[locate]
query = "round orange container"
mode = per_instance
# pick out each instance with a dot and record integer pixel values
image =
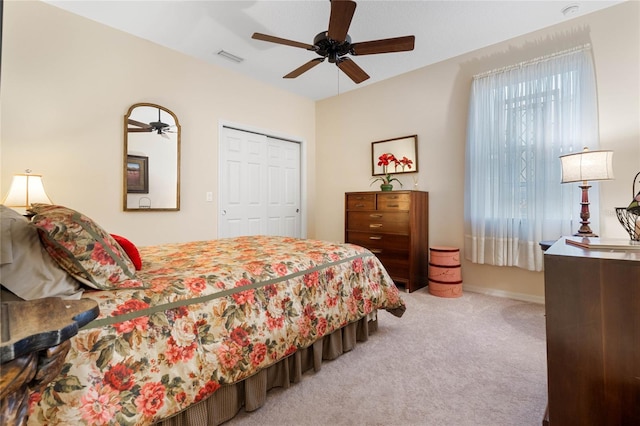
(445, 273)
(445, 290)
(445, 256)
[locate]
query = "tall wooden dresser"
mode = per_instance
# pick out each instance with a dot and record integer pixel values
(394, 225)
(592, 304)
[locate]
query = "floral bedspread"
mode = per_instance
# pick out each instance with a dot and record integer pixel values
(212, 312)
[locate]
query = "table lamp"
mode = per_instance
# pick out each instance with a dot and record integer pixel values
(583, 167)
(25, 190)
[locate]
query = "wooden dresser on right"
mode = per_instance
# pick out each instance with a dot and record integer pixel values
(592, 304)
(394, 225)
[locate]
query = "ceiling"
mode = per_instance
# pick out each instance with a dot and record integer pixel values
(443, 29)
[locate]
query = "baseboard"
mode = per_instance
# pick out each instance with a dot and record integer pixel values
(506, 294)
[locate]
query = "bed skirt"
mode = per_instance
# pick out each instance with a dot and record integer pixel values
(251, 393)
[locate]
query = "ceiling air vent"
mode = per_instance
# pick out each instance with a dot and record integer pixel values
(231, 57)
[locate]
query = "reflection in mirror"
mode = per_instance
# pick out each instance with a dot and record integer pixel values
(400, 148)
(151, 159)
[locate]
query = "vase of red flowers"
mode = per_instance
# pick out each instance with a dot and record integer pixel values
(386, 160)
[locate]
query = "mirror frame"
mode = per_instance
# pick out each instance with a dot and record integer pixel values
(406, 146)
(126, 157)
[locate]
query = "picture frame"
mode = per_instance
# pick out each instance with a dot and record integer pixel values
(137, 174)
(406, 146)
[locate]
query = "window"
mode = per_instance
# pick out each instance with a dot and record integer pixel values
(521, 120)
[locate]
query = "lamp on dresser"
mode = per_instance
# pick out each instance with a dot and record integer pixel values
(583, 167)
(26, 189)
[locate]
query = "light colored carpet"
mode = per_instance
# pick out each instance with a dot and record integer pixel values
(474, 360)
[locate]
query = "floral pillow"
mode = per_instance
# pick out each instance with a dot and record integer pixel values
(83, 248)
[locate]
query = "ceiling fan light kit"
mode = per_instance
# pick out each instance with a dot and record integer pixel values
(154, 126)
(335, 44)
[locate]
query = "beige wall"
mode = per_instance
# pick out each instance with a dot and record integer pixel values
(432, 103)
(67, 83)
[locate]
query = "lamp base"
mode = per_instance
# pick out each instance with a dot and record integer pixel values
(585, 230)
(585, 234)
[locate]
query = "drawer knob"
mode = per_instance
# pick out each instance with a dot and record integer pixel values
(375, 251)
(375, 225)
(394, 205)
(359, 205)
(375, 215)
(374, 237)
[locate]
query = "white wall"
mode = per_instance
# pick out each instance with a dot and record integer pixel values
(67, 83)
(432, 102)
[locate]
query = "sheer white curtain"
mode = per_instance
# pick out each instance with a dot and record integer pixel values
(521, 119)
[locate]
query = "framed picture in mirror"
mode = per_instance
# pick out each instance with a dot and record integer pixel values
(137, 174)
(404, 150)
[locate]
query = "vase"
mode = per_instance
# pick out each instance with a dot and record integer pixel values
(386, 187)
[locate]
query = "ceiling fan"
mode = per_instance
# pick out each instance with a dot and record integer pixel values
(335, 44)
(155, 126)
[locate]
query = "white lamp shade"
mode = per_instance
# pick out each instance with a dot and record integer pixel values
(587, 165)
(25, 190)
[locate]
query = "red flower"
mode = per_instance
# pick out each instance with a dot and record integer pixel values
(207, 390)
(195, 284)
(321, 327)
(240, 336)
(119, 377)
(279, 268)
(176, 353)
(385, 160)
(140, 323)
(100, 255)
(405, 162)
(244, 296)
(229, 355)
(258, 354)
(151, 398)
(311, 280)
(358, 266)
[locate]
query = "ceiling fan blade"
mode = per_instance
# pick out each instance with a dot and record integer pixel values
(273, 39)
(387, 45)
(340, 19)
(139, 124)
(352, 70)
(304, 68)
(137, 130)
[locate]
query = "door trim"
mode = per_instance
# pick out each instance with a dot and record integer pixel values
(277, 135)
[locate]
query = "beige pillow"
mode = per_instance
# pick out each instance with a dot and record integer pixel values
(31, 273)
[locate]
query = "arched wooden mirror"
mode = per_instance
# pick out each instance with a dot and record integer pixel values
(151, 159)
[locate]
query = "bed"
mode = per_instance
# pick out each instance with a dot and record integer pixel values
(203, 328)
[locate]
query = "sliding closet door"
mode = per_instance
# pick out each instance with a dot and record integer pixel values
(259, 185)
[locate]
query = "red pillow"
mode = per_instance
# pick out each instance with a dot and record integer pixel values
(130, 249)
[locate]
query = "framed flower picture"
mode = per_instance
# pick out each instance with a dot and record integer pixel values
(137, 174)
(403, 151)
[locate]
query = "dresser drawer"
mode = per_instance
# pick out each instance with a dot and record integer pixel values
(394, 201)
(384, 222)
(380, 243)
(396, 265)
(361, 201)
